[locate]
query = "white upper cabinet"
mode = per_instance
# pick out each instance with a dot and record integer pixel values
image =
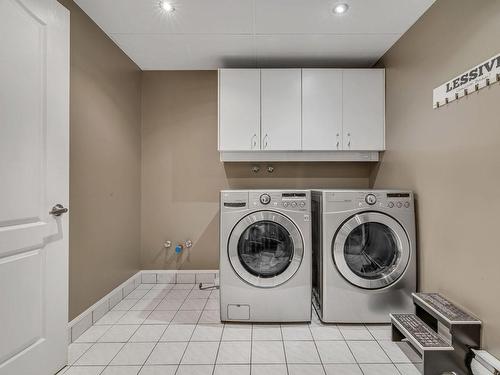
(321, 109)
(239, 109)
(301, 114)
(364, 109)
(281, 109)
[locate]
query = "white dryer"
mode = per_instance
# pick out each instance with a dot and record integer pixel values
(364, 249)
(265, 256)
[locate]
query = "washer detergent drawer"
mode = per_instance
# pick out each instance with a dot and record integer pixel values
(238, 312)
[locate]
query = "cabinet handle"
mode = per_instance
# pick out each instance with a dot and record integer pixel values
(254, 141)
(338, 141)
(266, 143)
(349, 140)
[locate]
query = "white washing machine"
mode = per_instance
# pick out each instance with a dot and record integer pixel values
(265, 256)
(364, 251)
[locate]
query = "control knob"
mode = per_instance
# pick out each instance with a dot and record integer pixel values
(371, 199)
(265, 199)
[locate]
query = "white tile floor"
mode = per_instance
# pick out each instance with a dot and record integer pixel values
(175, 329)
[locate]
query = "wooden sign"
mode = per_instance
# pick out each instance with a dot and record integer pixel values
(474, 79)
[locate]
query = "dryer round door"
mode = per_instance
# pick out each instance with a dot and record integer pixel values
(371, 250)
(265, 249)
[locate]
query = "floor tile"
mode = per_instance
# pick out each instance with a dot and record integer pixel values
(170, 304)
(207, 332)
(134, 353)
(110, 317)
(342, 369)
(158, 370)
(237, 332)
(159, 317)
(295, 332)
(148, 333)
(119, 333)
(195, 370)
(214, 295)
(93, 334)
(177, 294)
(84, 370)
(268, 352)
(200, 353)
(146, 305)
(355, 332)
(212, 304)
(125, 305)
(266, 332)
(99, 354)
(201, 294)
(76, 350)
(301, 352)
(121, 370)
(156, 294)
(168, 353)
(379, 369)
(234, 352)
(187, 317)
(232, 370)
(136, 294)
(134, 317)
(324, 332)
(178, 332)
(193, 304)
(183, 286)
(334, 352)
(368, 352)
(399, 352)
(305, 370)
(381, 332)
(210, 316)
(409, 369)
(269, 370)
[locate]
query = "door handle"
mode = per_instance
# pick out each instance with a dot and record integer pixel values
(58, 210)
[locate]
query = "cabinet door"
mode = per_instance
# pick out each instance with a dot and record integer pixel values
(281, 109)
(239, 109)
(364, 109)
(321, 109)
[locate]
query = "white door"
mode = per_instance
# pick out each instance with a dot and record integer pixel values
(239, 109)
(364, 109)
(321, 109)
(34, 143)
(281, 109)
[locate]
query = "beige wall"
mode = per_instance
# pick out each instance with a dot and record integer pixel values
(104, 164)
(449, 156)
(182, 174)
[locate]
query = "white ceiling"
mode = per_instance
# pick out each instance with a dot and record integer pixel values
(209, 34)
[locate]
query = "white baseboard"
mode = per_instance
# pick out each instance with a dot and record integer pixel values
(87, 318)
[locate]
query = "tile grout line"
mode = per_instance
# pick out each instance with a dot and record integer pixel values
(317, 350)
(284, 349)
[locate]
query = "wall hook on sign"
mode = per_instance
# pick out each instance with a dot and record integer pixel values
(474, 79)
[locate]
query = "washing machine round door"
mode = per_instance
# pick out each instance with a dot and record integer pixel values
(265, 249)
(371, 250)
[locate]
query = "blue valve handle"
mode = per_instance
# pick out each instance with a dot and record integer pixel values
(178, 249)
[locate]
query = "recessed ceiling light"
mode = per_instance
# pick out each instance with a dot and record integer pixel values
(340, 8)
(167, 7)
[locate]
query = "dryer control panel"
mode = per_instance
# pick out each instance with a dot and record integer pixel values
(370, 199)
(288, 200)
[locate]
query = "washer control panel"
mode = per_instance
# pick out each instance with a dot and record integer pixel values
(391, 200)
(288, 200)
